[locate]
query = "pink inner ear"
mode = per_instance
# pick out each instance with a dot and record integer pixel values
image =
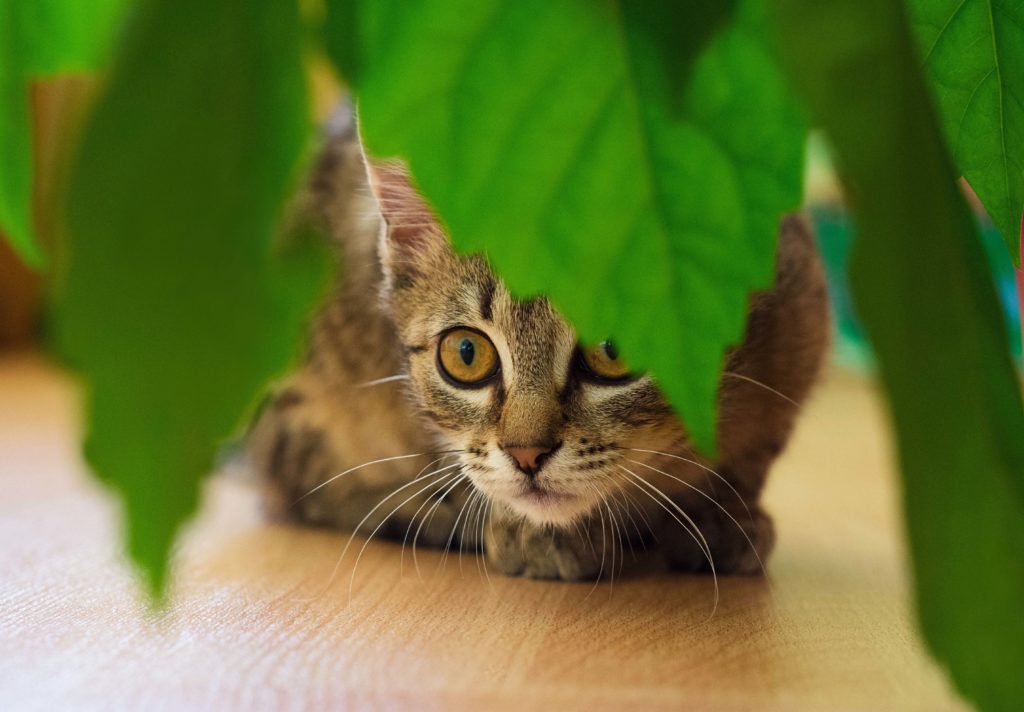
(410, 220)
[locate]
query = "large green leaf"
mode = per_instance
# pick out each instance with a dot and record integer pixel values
(974, 56)
(172, 306)
(556, 136)
(925, 294)
(40, 38)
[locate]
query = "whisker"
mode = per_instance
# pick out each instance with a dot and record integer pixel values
(623, 508)
(356, 529)
(474, 517)
(695, 533)
(455, 526)
(367, 464)
(408, 529)
(430, 514)
(386, 379)
(765, 386)
(604, 552)
(704, 494)
(703, 467)
(484, 519)
(584, 537)
(376, 529)
(614, 526)
(632, 501)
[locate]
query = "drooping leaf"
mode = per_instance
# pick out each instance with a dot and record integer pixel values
(552, 135)
(924, 292)
(171, 306)
(974, 57)
(40, 38)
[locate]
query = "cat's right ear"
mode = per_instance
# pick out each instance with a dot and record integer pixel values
(412, 241)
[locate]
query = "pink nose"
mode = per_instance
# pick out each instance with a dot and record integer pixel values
(531, 458)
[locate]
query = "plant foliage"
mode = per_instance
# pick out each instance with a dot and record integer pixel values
(171, 304)
(631, 160)
(974, 56)
(38, 39)
(923, 289)
(549, 133)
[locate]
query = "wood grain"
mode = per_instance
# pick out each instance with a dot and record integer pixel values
(255, 620)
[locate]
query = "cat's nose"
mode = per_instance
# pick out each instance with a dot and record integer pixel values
(529, 459)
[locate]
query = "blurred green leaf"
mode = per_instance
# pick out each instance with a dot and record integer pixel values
(547, 133)
(172, 306)
(924, 291)
(40, 38)
(974, 56)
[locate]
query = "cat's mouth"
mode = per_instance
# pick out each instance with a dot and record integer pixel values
(535, 494)
(542, 504)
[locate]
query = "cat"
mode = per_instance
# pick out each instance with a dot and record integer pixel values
(433, 406)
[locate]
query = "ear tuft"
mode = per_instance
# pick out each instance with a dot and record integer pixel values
(409, 219)
(413, 242)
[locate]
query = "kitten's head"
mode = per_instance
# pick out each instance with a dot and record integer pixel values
(545, 423)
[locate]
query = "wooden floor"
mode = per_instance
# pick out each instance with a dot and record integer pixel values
(256, 621)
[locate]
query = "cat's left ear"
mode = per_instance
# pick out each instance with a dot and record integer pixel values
(413, 241)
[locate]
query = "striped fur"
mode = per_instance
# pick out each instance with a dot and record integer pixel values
(403, 287)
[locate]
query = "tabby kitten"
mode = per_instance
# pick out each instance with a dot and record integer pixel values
(435, 406)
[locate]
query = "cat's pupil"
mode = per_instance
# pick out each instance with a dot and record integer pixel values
(467, 351)
(610, 350)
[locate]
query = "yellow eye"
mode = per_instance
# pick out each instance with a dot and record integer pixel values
(604, 362)
(467, 357)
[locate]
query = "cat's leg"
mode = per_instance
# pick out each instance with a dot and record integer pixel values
(735, 535)
(763, 384)
(738, 541)
(587, 550)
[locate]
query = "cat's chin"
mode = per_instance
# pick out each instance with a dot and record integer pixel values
(546, 507)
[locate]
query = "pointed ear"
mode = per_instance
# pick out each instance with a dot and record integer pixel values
(412, 241)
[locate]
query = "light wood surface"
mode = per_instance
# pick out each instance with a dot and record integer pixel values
(256, 622)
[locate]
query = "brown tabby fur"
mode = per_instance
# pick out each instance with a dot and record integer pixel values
(404, 285)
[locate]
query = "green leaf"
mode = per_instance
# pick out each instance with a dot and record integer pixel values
(39, 38)
(923, 289)
(172, 306)
(547, 133)
(974, 57)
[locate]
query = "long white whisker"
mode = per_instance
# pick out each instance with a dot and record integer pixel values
(584, 537)
(401, 559)
(703, 467)
(614, 526)
(430, 514)
(367, 464)
(715, 502)
(701, 542)
(632, 501)
(604, 552)
(386, 379)
(451, 537)
(765, 386)
(376, 529)
(484, 520)
(695, 533)
(471, 521)
(624, 512)
(412, 520)
(337, 564)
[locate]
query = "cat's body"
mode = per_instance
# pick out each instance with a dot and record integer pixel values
(556, 464)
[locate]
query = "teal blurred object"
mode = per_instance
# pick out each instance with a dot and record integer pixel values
(835, 240)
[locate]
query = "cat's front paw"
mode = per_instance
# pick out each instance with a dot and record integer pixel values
(738, 540)
(516, 547)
